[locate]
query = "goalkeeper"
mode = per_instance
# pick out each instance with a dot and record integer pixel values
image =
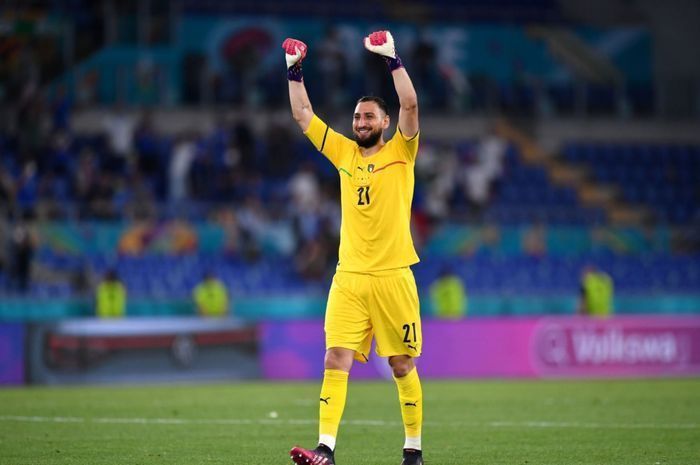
(373, 293)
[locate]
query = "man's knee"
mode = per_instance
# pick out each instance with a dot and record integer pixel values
(338, 358)
(401, 365)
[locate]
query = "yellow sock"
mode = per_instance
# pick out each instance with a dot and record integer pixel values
(411, 398)
(332, 403)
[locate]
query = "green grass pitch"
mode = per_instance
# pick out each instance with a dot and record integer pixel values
(636, 422)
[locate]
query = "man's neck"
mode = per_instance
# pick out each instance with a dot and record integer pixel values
(369, 151)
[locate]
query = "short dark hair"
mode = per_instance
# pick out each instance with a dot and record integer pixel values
(378, 100)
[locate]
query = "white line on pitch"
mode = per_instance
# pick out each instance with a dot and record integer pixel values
(566, 424)
(378, 423)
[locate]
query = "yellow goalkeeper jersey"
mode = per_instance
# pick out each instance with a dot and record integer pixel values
(375, 194)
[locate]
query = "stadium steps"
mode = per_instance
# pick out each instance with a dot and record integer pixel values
(592, 194)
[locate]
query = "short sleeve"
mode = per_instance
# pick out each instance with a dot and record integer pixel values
(409, 146)
(327, 141)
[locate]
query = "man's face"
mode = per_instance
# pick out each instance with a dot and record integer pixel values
(368, 124)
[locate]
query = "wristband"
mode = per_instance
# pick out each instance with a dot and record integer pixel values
(294, 73)
(393, 63)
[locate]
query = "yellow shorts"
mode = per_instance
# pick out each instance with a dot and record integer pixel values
(385, 304)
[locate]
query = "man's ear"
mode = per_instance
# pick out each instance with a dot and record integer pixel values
(386, 122)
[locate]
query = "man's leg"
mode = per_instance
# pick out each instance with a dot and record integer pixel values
(395, 314)
(334, 391)
(410, 397)
(348, 336)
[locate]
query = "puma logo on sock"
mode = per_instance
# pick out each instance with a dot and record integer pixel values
(325, 400)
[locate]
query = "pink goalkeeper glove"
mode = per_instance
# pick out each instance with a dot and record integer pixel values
(382, 43)
(294, 53)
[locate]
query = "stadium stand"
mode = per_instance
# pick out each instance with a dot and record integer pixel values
(525, 197)
(660, 176)
(172, 204)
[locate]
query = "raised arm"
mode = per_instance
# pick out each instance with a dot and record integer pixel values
(408, 100)
(295, 51)
(382, 43)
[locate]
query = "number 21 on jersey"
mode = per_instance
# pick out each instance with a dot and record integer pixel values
(363, 195)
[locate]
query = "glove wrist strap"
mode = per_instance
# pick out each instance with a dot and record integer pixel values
(393, 63)
(294, 73)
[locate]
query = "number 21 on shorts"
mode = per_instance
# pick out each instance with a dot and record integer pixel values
(409, 333)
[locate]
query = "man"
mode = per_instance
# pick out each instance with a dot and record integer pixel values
(448, 296)
(22, 248)
(211, 297)
(597, 292)
(111, 296)
(373, 291)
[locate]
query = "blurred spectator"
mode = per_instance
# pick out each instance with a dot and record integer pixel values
(81, 278)
(597, 293)
(316, 255)
(316, 222)
(448, 295)
(244, 140)
(211, 297)
(228, 221)
(280, 154)
(425, 71)
(311, 259)
(7, 191)
(486, 168)
(332, 64)
(27, 192)
(110, 296)
(134, 197)
(179, 169)
(149, 150)
(203, 173)
(304, 189)
(23, 243)
(119, 128)
(61, 108)
(60, 157)
(438, 168)
(254, 222)
(329, 208)
(243, 52)
(84, 181)
(458, 86)
(217, 141)
(100, 197)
